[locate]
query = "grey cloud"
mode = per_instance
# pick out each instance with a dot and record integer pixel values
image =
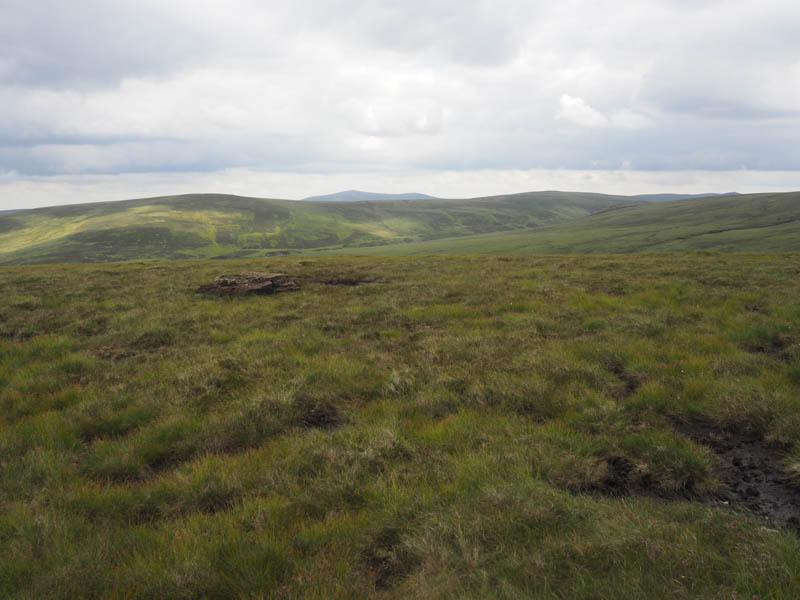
(156, 156)
(90, 43)
(477, 32)
(118, 86)
(722, 87)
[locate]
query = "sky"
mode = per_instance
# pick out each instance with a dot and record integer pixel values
(114, 99)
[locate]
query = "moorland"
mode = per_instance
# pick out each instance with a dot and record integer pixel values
(500, 410)
(516, 426)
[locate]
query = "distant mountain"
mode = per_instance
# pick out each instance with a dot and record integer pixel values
(359, 196)
(671, 197)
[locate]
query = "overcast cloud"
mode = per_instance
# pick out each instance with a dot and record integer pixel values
(107, 99)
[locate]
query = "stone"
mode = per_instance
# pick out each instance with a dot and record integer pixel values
(246, 284)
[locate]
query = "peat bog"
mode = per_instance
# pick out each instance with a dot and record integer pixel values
(752, 470)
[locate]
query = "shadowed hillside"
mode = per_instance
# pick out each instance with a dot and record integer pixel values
(749, 223)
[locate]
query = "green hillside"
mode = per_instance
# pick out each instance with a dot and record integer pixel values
(219, 226)
(510, 427)
(747, 223)
(212, 225)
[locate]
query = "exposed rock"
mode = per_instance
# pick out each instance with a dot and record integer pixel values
(249, 283)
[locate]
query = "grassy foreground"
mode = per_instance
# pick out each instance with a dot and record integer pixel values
(448, 430)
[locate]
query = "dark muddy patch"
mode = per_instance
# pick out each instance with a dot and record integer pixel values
(631, 381)
(778, 346)
(214, 501)
(751, 469)
(320, 413)
(112, 353)
(351, 281)
(622, 478)
(388, 558)
(714, 282)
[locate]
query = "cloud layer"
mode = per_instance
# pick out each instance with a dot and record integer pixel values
(121, 86)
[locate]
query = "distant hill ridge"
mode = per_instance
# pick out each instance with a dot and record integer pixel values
(670, 197)
(225, 226)
(359, 196)
(723, 223)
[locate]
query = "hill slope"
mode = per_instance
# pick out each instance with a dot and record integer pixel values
(750, 223)
(215, 225)
(670, 197)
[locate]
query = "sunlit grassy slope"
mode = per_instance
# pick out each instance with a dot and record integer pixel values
(212, 225)
(753, 222)
(451, 429)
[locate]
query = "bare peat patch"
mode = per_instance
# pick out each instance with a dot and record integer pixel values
(317, 412)
(631, 381)
(777, 346)
(113, 353)
(388, 558)
(751, 469)
(346, 280)
(622, 478)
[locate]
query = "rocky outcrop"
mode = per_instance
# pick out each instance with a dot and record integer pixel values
(246, 284)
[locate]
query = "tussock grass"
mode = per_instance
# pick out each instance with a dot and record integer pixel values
(458, 427)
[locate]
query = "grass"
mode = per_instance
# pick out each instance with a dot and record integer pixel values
(450, 430)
